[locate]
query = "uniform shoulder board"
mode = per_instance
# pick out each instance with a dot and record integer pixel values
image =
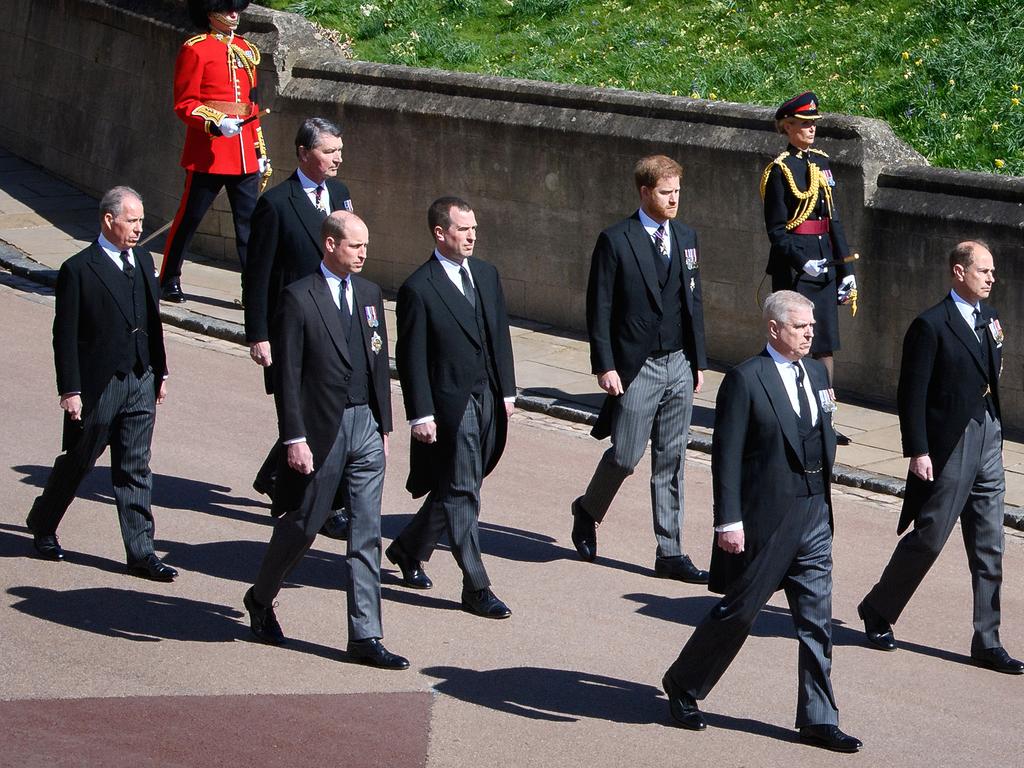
(817, 152)
(196, 39)
(768, 170)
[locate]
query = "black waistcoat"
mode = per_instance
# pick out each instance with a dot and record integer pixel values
(670, 280)
(133, 294)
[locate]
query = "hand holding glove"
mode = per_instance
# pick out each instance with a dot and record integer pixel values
(816, 267)
(229, 126)
(847, 287)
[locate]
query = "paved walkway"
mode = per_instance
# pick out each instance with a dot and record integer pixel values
(43, 220)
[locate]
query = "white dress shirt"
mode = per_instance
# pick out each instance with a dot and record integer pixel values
(787, 372)
(651, 226)
(309, 187)
(453, 270)
(336, 285)
(115, 255)
(966, 310)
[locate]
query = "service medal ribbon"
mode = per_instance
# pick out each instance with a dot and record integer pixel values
(371, 316)
(827, 173)
(691, 258)
(347, 205)
(997, 331)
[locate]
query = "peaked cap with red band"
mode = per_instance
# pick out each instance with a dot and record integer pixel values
(804, 106)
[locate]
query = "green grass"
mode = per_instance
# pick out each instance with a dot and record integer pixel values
(948, 75)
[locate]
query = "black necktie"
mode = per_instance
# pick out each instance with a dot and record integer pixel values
(467, 286)
(126, 266)
(979, 328)
(804, 417)
(346, 313)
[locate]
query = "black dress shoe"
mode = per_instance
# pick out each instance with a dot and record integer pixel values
(683, 707)
(842, 439)
(262, 621)
(680, 568)
(336, 526)
(829, 737)
(998, 659)
(413, 574)
(483, 602)
(172, 292)
(584, 532)
(877, 630)
(372, 651)
(152, 567)
(46, 546)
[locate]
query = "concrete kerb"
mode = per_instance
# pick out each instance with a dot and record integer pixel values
(20, 264)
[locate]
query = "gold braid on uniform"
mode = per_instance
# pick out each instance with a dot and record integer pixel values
(808, 200)
(238, 56)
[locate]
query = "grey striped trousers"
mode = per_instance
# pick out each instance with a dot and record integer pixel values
(123, 418)
(656, 406)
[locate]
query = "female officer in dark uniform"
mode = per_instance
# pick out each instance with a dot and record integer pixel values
(803, 226)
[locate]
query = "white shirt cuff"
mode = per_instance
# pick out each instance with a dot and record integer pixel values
(729, 527)
(294, 440)
(421, 420)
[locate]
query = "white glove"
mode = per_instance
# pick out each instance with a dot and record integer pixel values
(264, 165)
(848, 286)
(229, 126)
(816, 267)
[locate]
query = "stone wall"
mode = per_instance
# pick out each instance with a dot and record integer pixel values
(87, 91)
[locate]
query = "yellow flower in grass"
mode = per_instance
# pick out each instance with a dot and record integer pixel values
(998, 163)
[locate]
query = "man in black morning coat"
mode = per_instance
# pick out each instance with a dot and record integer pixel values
(771, 464)
(454, 358)
(948, 401)
(284, 245)
(108, 348)
(332, 389)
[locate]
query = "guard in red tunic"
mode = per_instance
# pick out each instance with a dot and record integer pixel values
(215, 96)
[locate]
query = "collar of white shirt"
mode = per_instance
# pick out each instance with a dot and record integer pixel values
(115, 253)
(451, 268)
(651, 226)
(788, 374)
(309, 187)
(335, 283)
(966, 310)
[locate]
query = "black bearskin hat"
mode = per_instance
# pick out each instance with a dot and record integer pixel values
(200, 10)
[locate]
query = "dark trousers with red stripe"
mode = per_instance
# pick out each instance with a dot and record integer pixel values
(201, 189)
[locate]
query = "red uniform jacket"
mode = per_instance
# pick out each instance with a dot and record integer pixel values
(214, 77)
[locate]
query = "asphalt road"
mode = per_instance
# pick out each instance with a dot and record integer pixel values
(99, 668)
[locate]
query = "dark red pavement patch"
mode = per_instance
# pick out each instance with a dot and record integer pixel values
(362, 730)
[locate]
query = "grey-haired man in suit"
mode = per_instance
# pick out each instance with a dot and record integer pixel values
(771, 465)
